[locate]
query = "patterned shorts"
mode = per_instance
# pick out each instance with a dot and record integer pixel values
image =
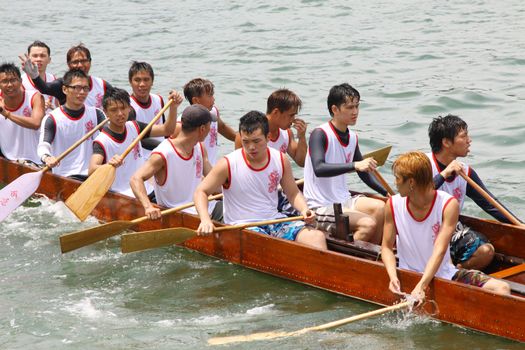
(284, 230)
(465, 241)
(472, 277)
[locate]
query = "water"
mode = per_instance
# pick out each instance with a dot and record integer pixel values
(410, 60)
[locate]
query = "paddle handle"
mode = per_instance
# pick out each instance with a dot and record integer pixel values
(491, 200)
(384, 183)
(258, 223)
(358, 317)
(146, 129)
(76, 144)
(175, 209)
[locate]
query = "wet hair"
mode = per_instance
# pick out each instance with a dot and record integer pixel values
(38, 43)
(198, 87)
(414, 165)
(339, 94)
(195, 116)
(78, 48)
(10, 68)
(252, 121)
(115, 95)
(140, 67)
(74, 73)
(283, 100)
(447, 127)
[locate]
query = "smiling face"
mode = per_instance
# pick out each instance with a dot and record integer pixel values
(254, 145)
(40, 57)
(80, 61)
(10, 84)
(141, 84)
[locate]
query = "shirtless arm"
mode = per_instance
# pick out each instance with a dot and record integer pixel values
(298, 149)
(153, 166)
(168, 127)
(387, 249)
(37, 114)
(448, 225)
(225, 130)
(238, 142)
(293, 194)
(216, 177)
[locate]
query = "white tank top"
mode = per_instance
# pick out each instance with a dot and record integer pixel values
(457, 187)
(95, 95)
(132, 162)
(146, 114)
(325, 191)
(282, 141)
(211, 142)
(17, 142)
(251, 194)
(182, 175)
(68, 131)
(29, 85)
(415, 239)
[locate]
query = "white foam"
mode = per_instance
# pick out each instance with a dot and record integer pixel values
(260, 310)
(85, 308)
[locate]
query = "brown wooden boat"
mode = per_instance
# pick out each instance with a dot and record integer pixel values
(356, 275)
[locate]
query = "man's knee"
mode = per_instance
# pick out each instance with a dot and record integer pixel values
(366, 229)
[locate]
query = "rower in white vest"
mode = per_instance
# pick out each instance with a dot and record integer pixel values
(177, 165)
(116, 137)
(22, 113)
(67, 124)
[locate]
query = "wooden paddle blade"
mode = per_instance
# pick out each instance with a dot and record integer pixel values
(87, 196)
(137, 241)
(380, 155)
(79, 239)
(15, 193)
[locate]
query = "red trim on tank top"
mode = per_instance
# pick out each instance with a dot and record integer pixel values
(71, 117)
(142, 105)
(229, 180)
(277, 138)
(104, 149)
(445, 206)
(19, 106)
(125, 133)
(252, 168)
(390, 202)
(180, 155)
(429, 210)
(337, 135)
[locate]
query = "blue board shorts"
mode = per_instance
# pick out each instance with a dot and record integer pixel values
(284, 230)
(465, 241)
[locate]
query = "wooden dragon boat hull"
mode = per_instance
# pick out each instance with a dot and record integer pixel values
(352, 276)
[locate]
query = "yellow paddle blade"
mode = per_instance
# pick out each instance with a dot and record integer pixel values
(380, 155)
(137, 241)
(87, 196)
(79, 239)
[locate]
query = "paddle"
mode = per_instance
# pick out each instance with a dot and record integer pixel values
(137, 241)
(274, 335)
(381, 156)
(491, 200)
(14, 194)
(87, 196)
(79, 239)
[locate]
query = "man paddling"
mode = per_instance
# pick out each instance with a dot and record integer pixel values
(21, 112)
(145, 105)
(120, 133)
(249, 178)
(68, 123)
(334, 151)
(420, 221)
(177, 165)
(78, 57)
(40, 55)
(449, 140)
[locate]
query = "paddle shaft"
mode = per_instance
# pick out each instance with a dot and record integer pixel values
(76, 144)
(258, 223)
(384, 183)
(491, 200)
(146, 129)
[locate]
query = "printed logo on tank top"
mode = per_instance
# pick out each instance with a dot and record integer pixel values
(89, 126)
(98, 99)
(457, 193)
(435, 231)
(198, 166)
(348, 158)
(26, 112)
(136, 151)
(273, 181)
(213, 136)
(284, 148)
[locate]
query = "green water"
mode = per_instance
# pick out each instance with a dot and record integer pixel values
(410, 60)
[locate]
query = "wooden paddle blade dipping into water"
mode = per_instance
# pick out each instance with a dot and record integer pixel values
(19, 190)
(87, 196)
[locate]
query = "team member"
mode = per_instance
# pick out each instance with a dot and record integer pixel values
(68, 123)
(249, 177)
(449, 140)
(420, 221)
(120, 133)
(145, 105)
(177, 164)
(22, 112)
(78, 57)
(333, 152)
(40, 54)
(201, 91)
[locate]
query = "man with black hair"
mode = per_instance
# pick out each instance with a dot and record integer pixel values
(449, 140)
(116, 137)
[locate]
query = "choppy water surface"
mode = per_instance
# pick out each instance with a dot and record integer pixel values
(410, 60)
